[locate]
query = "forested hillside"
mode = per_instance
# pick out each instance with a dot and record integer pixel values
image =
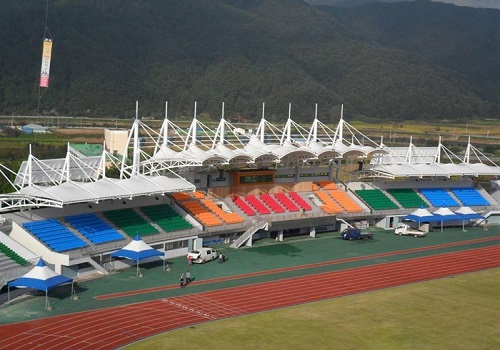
(494, 4)
(108, 54)
(451, 37)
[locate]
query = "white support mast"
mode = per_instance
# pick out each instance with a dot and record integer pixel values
(219, 132)
(137, 153)
(467, 152)
(191, 134)
(289, 124)
(286, 135)
(194, 127)
(222, 127)
(437, 157)
(29, 168)
(409, 152)
(164, 127)
(134, 133)
(313, 133)
(262, 124)
(339, 132)
(67, 160)
(102, 164)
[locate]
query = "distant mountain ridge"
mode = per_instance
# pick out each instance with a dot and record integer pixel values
(107, 55)
(492, 4)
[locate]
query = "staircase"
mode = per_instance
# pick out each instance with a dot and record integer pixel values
(259, 225)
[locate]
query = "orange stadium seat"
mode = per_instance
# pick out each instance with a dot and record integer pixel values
(228, 218)
(327, 185)
(181, 196)
(345, 201)
(330, 206)
(201, 213)
(198, 195)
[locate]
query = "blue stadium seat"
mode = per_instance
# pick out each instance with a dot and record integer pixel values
(469, 196)
(439, 197)
(94, 228)
(54, 235)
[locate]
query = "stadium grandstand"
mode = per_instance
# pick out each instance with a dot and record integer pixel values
(183, 188)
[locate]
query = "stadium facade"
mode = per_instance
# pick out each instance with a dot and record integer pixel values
(182, 188)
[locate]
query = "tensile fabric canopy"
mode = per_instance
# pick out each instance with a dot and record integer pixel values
(137, 250)
(41, 277)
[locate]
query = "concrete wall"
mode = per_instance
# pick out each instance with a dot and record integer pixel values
(20, 235)
(18, 248)
(116, 140)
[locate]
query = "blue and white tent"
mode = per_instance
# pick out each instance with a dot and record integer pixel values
(444, 215)
(466, 214)
(420, 215)
(137, 250)
(41, 277)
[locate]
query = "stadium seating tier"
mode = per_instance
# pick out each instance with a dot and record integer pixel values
(470, 196)
(376, 199)
(94, 228)
(166, 217)
(439, 197)
(12, 255)
(407, 197)
(54, 235)
(130, 222)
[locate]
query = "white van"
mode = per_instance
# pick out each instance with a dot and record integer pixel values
(202, 255)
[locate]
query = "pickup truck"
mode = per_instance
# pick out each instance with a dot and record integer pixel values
(406, 230)
(353, 233)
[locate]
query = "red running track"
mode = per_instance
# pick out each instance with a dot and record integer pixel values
(114, 327)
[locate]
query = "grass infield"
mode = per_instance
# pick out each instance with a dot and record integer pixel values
(460, 312)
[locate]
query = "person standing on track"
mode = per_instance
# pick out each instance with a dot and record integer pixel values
(182, 281)
(188, 277)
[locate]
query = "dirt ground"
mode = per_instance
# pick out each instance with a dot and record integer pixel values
(78, 131)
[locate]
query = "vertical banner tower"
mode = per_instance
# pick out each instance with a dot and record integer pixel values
(46, 57)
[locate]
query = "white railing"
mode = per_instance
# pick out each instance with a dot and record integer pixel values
(249, 232)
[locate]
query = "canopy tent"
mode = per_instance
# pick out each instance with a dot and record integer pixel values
(41, 277)
(445, 214)
(137, 250)
(466, 213)
(420, 215)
